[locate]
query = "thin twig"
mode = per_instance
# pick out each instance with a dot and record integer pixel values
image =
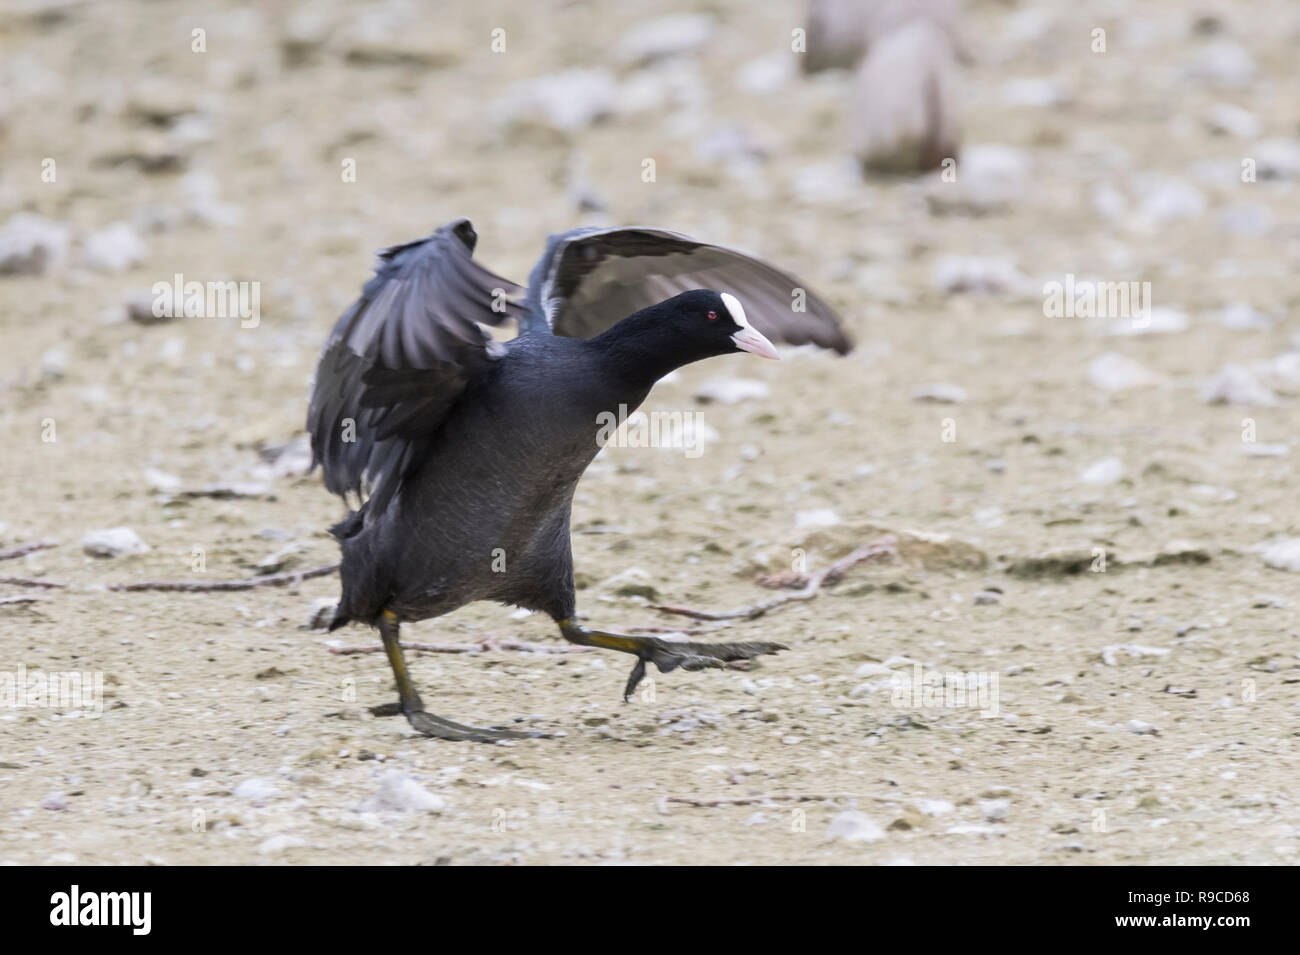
(202, 586)
(709, 803)
(23, 550)
(885, 546)
(482, 646)
(32, 582)
(19, 599)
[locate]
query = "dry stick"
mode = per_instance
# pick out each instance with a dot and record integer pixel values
(23, 550)
(32, 582)
(480, 647)
(831, 574)
(19, 599)
(200, 586)
(750, 800)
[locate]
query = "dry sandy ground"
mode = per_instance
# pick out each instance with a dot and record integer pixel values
(1180, 746)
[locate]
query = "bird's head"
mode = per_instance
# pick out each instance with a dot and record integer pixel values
(686, 328)
(709, 323)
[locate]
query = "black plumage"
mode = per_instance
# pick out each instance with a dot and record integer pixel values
(463, 452)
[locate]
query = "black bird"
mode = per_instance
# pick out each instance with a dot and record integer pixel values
(465, 451)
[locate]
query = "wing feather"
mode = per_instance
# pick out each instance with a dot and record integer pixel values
(590, 279)
(398, 360)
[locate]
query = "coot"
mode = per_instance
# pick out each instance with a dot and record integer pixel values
(462, 453)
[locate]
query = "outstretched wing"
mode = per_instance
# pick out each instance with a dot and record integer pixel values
(400, 357)
(589, 279)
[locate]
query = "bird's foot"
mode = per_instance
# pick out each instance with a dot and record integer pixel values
(665, 654)
(439, 728)
(669, 655)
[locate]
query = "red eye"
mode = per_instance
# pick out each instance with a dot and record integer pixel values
(713, 316)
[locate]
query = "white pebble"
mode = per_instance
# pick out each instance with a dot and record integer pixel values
(114, 249)
(256, 788)
(1237, 385)
(400, 793)
(113, 542)
(853, 826)
(1282, 554)
(730, 391)
(1115, 372)
(1105, 471)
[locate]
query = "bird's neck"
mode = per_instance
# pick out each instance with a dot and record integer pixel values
(637, 352)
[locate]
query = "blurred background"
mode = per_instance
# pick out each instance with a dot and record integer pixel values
(933, 169)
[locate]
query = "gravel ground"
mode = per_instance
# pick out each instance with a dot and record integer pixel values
(1095, 516)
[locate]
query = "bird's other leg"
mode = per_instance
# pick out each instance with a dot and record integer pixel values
(665, 654)
(411, 706)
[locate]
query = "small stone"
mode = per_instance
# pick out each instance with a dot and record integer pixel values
(1282, 554)
(1103, 472)
(203, 204)
(853, 826)
(161, 480)
(767, 74)
(1224, 119)
(282, 559)
(633, 582)
(1241, 317)
(54, 362)
(995, 810)
(140, 308)
(816, 517)
(942, 393)
(1110, 654)
(400, 793)
(957, 274)
(564, 102)
(1223, 63)
(1281, 373)
(1237, 385)
(990, 178)
(1034, 92)
(730, 391)
(872, 669)
(1245, 218)
(731, 143)
(665, 37)
(934, 807)
(1115, 372)
(114, 249)
(113, 542)
(277, 844)
(1277, 159)
(986, 597)
(1265, 450)
(1168, 199)
(1109, 202)
(1142, 728)
(55, 801)
(31, 245)
(256, 789)
(1159, 321)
